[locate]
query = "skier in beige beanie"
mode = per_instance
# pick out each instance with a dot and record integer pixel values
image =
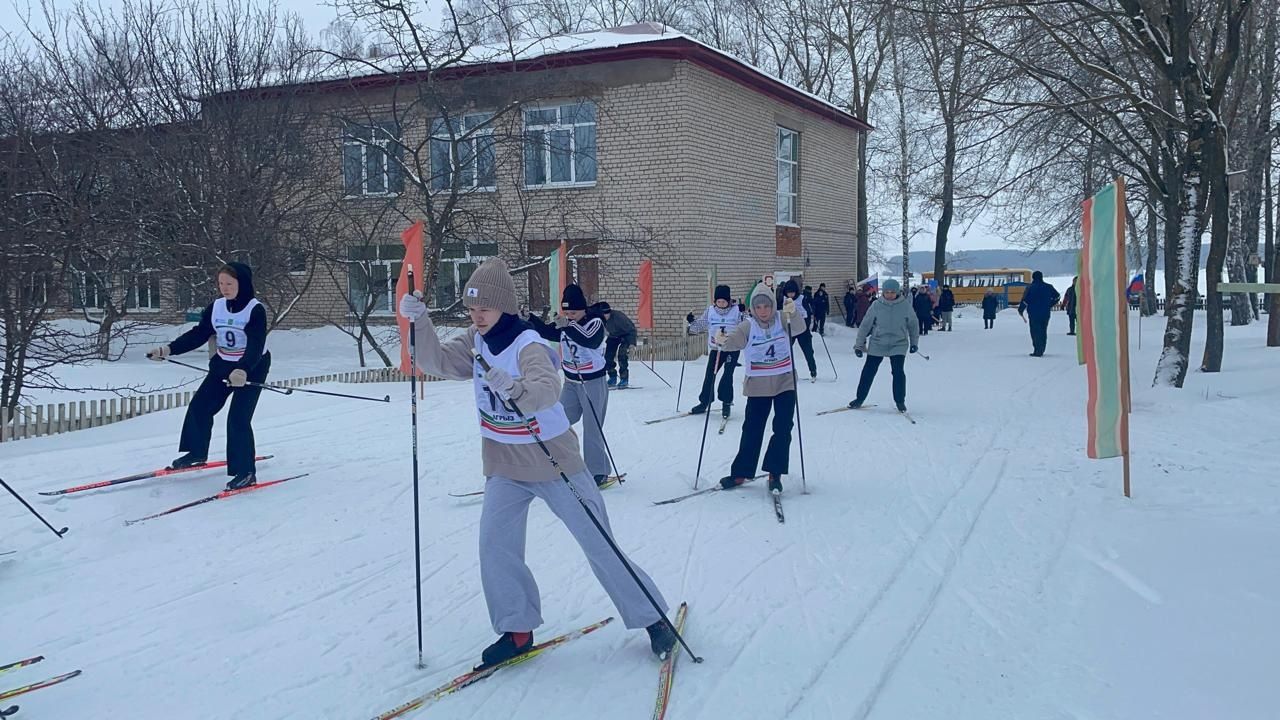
(523, 368)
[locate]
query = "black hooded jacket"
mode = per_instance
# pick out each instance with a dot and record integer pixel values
(255, 331)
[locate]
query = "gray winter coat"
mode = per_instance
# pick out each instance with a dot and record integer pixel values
(892, 325)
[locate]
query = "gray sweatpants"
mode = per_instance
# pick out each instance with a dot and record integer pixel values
(574, 397)
(509, 588)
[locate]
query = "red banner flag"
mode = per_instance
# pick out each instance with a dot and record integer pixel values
(644, 312)
(412, 239)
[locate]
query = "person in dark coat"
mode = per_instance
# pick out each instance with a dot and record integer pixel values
(617, 349)
(238, 323)
(946, 304)
(821, 308)
(989, 306)
(1036, 306)
(791, 290)
(923, 305)
(850, 307)
(1069, 304)
(866, 296)
(807, 294)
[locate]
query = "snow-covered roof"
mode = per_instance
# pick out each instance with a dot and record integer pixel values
(591, 47)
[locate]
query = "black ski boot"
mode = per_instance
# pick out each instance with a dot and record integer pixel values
(661, 639)
(902, 407)
(506, 647)
(242, 481)
(775, 483)
(189, 460)
(601, 480)
(855, 404)
(725, 409)
(699, 408)
(729, 482)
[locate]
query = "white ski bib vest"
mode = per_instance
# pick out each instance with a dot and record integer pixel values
(228, 327)
(497, 421)
(768, 351)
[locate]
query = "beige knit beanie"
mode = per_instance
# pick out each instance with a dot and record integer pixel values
(491, 286)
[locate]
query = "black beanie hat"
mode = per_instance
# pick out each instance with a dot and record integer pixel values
(572, 298)
(790, 286)
(722, 293)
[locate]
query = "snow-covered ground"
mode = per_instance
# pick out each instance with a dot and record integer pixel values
(973, 566)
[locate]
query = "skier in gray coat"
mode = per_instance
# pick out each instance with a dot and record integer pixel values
(891, 330)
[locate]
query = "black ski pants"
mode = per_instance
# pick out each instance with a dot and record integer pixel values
(820, 323)
(212, 394)
(926, 322)
(1071, 318)
(728, 361)
(872, 366)
(806, 346)
(1039, 332)
(778, 456)
(615, 356)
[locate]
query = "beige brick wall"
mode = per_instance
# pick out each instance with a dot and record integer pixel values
(686, 176)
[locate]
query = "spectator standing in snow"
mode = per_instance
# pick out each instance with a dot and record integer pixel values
(850, 307)
(821, 308)
(890, 330)
(923, 305)
(989, 306)
(866, 296)
(523, 370)
(769, 386)
(1069, 304)
(1037, 304)
(807, 294)
(238, 324)
(584, 396)
(946, 304)
(724, 316)
(617, 349)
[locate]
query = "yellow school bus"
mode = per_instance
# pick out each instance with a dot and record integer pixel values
(969, 286)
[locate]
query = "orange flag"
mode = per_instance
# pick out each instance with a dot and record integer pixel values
(644, 312)
(412, 239)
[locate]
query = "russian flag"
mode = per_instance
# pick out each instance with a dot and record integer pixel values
(872, 282)
(1137, 285)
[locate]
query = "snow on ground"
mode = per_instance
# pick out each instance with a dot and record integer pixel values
(975, 565)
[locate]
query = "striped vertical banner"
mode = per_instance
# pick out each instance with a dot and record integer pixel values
(1104, 323)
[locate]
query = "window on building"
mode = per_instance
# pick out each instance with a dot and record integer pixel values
(457, 262)
(371, 157)
(297, 260)
(35, 290)
(788, 176)
(88, 291)
(584, 271)
(372, 272)
(144, 291)
(560, 145)
(464, 146)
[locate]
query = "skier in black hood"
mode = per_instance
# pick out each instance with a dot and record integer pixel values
(791, 289)
(238, 322)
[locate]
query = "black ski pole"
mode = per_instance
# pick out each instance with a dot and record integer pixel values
(655, 372)
(187, 365)
(684, 354)
(804, 485)
(290, 391)
(591, 406)
(706, 422)
(417, 513)
(14, 493)
(594, 520)
(833, 362)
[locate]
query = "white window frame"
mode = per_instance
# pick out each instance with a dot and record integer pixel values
(151, 277)
(83, 289)
(39, 281)
(385, 142)
(547, 129)
(455, 264)
(389, 263)
(481, 124)
(793, 219)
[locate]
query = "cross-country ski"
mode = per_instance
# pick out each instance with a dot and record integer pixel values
(32, 687)
(162, 472)
(223, 495)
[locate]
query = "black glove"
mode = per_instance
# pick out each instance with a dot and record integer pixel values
(857, 352)
(689, 318)
(914, 348)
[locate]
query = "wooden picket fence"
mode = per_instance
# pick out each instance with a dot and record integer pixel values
(53, 419)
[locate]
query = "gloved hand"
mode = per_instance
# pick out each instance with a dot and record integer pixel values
(789, 308)
(914, 348)
(500, 381)
(689, 318)
(412, 308)
(561, 321)
(858, 352)
(159, 354)
(237, 378)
